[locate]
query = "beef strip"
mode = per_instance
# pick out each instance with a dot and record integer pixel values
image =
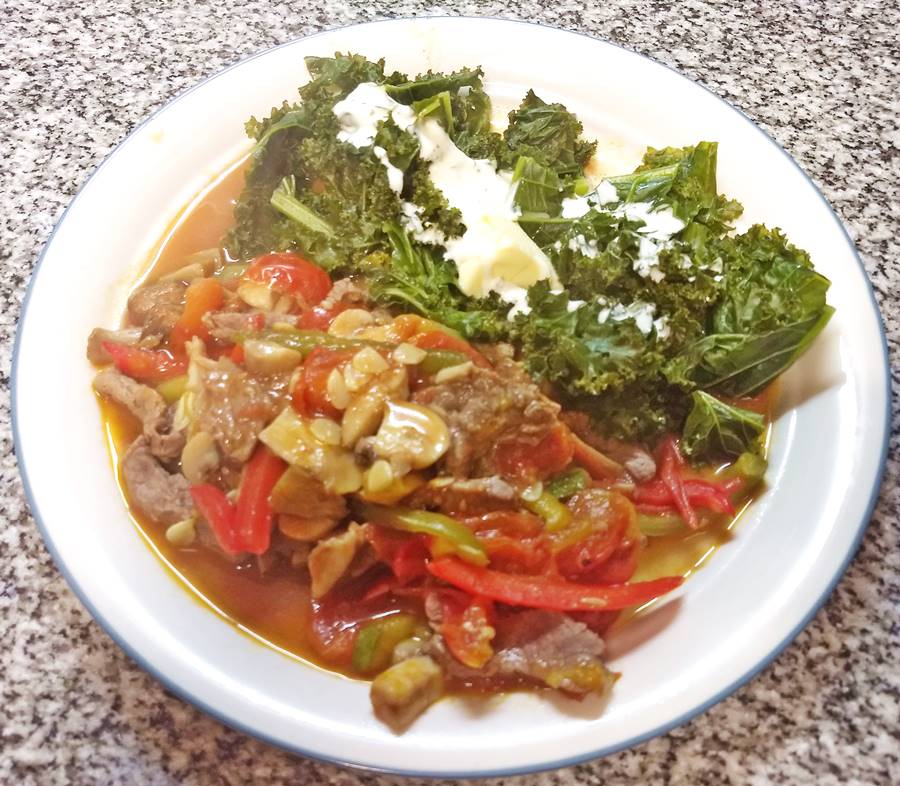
(345, 290)
(162, 495)
(234, 406)
(547, 647)
(464, 497)
(636, 460)
(95, 351)
(484, 408)
(155, 308)
(147, 406)
(228, 325)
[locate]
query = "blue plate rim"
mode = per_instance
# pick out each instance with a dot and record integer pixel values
(234, 723)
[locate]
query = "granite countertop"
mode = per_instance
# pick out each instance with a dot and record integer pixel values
(821, 77)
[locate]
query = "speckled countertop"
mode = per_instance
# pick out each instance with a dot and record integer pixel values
(75, 77)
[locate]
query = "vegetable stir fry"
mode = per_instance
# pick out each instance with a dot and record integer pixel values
(450, 383)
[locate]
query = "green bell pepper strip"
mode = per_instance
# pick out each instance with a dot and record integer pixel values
(231, 272)
(555, 515)
(375, 642)
(450, 534)
(567, 483)
(305, 341)
(660, 525)
(172, 389)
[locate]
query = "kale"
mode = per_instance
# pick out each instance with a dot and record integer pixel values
(714, 429)
(421, 280)
(652, 346)
(549, 134)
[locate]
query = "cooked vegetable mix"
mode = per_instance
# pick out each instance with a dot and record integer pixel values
(444, 389)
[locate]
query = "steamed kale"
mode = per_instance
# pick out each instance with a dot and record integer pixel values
(549, 134)
(714, 429)
(647, 335)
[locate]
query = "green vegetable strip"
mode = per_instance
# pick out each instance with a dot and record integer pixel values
(449, 531)
(305, 341)
(660, 526)
(556, 515)
(568, 483)
(172, 389)
(284, 201)
(375, 642)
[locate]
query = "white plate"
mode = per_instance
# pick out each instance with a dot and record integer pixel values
(726, 623)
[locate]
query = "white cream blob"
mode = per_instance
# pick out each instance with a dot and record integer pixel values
(494, 254)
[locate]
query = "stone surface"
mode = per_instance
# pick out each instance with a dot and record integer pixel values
(822, 77)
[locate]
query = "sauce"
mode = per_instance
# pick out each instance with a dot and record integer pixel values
(275, 608)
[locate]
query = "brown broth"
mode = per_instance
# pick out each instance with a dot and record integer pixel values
(274, 609)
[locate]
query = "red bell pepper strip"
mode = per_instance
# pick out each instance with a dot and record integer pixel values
(669, 473)
(253, 514)
(547, 592)
(700, 494)
(145, 365)
(214, 506)
(201, 296)
(291, 273)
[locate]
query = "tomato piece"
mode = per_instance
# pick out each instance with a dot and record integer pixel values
(145, 365)
(253, 514)
(292, 274)
(547, 592)
(318, 318)
(437, 339)
(236, 354)
(466, 628)
(201, 296)
(527, 461)
(405, 554)
(310, 393)
(514, 541)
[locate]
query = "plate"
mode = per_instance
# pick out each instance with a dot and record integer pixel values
(720, 629)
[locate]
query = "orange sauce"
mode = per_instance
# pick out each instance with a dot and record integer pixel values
(274, 608)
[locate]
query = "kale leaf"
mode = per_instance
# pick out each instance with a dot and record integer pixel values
(548, 133)
(714, 429)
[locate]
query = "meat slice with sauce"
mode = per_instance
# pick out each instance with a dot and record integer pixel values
(546, 647)
(484, 408)
(147, 406)
(155, 308)
(162, 495)
(233, 405)
(470, 497)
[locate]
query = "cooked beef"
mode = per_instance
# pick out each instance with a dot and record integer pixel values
(162, 495)
(234, 406)
(147, 406)
(345, 290)
(541, 646)
(95, 351)
(484, 408)
(228, 325)
(155, 308)
(636, 460)
(464, 497)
